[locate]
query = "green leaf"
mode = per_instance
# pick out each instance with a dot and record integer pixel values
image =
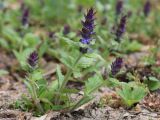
(153, 83)
(43, 48)
(53, 86)
(4, 43)
(100, 6)
(89, 60)
(71, 90)
(29, 87)
(85, 62)
(95, 56)
(133, 46)
(92, 84)
(66, 62)
(153, 79)
(49, 90)
(31, 40)
(12, 36)
(132, 93)
(69, 42)
(45, 100)
(60, 76)
(82, 101)
(156, 69)
(37, 75)
(22, 57)
(77, 73)
(58, 107)
(86, 2)
(112, 82)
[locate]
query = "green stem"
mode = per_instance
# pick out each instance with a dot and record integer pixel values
(77, 104)
(38, 105)
(24, 28)
(35, 98)
(66, 79)
(84, 97)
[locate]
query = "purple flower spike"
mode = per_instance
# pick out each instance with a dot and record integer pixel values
(121, 28)
(116, 66)
(147, 8)
(33, 59)
(119, 7)
(25, 16)
(88, 28)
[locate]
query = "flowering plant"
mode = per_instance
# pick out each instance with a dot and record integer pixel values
(56, 95)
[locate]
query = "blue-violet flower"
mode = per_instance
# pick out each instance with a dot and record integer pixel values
(119, 7)
(116, 66)
(121, 28)
(25, 16)
(33, 59)
(88, 29)
(147, 8)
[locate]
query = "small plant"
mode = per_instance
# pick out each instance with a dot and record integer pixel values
(56, 95)
(33, 79)
(132, 93)
(39, 34)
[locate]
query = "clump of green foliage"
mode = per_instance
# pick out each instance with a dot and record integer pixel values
(56, 95)
(82, 62)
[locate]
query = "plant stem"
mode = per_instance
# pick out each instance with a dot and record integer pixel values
(84, 97)
(66, 79)
(38, 105)
(24, 28)
(77, 104)
(34, 97)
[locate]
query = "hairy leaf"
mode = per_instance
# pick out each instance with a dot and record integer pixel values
(92, 84)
